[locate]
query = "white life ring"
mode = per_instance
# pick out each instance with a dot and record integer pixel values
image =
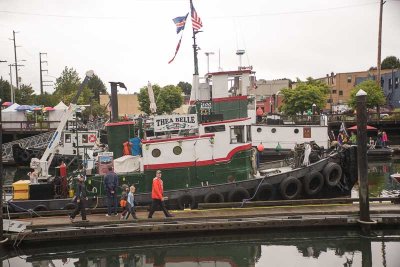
(92, 138)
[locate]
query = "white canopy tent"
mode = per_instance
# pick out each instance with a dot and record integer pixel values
(10, 114)
(57, 113)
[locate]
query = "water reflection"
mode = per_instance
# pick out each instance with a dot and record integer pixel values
(322, 248)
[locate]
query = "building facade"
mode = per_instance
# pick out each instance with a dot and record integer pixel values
(390, 83)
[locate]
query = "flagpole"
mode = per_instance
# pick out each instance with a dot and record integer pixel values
(195, 49)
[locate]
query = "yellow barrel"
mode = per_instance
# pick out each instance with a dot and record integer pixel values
(71, 192)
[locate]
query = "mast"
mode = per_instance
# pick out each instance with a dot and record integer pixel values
(195, 49)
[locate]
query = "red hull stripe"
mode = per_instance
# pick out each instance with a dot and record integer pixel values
(177, 138)
(226, 121)
(224, 99)
(198, 163)
(119, 123)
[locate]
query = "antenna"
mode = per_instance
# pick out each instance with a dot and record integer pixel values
(240, 53)
(219, 60)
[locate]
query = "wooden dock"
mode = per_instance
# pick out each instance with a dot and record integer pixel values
(201, 221)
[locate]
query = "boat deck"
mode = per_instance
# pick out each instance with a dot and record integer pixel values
(189, 222)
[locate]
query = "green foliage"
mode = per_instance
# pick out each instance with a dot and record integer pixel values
(302, 98)
(5, 93)
(390, 62)
(97, 87)
(186, 87)
(24, 95)
(167, 99)
(375, 96)
(46, 100)
(67, 85)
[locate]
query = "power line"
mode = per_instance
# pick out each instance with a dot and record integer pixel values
(237, 16)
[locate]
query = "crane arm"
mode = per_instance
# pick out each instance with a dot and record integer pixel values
(48, 155)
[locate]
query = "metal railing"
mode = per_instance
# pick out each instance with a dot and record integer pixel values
(37, 141)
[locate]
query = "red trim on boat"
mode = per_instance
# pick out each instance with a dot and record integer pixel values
(226, 121)
(177, 138)
(198, 163)
(119, 123)
(230, 98)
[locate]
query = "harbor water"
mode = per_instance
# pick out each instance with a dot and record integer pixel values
(272, 247)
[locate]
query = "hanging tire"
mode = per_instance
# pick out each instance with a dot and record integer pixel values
(290, 188)
(214, 197)
(264, 192)
(69, 206)
(238, 194)
(332, 173)
(40, 208)
(313, 183)
(186, 201)
(25, 156)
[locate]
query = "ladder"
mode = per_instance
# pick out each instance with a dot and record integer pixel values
(37, 141)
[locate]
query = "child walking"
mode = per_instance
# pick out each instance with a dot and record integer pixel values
(123, 202)
(131, 203)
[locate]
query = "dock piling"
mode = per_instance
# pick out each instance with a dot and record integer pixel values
(362, 161)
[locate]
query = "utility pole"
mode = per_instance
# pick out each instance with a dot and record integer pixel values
(41, 71)
(11, 85)
(378, 66)
(15, 57)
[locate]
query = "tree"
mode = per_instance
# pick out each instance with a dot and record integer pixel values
(302, 98)
(24, 95)
(46, 100)
(167, 98)
(390, 62)
(97, 87)
(67, 85)
(375, 96)
(5, 93)
(186, 87)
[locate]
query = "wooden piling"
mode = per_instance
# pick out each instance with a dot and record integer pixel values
(362, 161)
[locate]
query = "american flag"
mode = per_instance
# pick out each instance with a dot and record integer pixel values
(180, 23)
(196, 20)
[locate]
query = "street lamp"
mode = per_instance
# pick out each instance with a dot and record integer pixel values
(313, 108)
(208, 60)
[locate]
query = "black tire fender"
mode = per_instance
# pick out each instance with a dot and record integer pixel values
(264, 192)
(69, 206)
(290, 188)
(313, 183)
(24, 156)
(214, 197)
(186, 201)
(238, 194)
(40, 207)
(332, 173)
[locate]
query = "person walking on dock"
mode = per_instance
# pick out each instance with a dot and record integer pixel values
(157, 196)
(80, 200)
(111, 185)
(131, 203)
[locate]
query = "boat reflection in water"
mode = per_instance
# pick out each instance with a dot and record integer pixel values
(323, 248)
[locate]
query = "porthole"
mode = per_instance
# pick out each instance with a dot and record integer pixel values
(177, 150)
(156, 152)
(273, 130)
(296, 131)
(259, 130)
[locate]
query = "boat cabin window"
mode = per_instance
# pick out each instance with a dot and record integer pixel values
(67, 138)
(248, 129)
(214, 128)
(84, 138)
(156, 153)
(237, 134)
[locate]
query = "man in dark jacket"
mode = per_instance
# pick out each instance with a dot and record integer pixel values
(111, 185)
(80, 200)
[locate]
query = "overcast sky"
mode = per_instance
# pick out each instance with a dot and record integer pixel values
(131, 41)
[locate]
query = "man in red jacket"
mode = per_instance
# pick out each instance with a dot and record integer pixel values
(157, 197)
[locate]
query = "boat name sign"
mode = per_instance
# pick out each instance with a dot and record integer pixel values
(175, 122)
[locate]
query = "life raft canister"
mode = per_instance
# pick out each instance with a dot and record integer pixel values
(92, 138)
